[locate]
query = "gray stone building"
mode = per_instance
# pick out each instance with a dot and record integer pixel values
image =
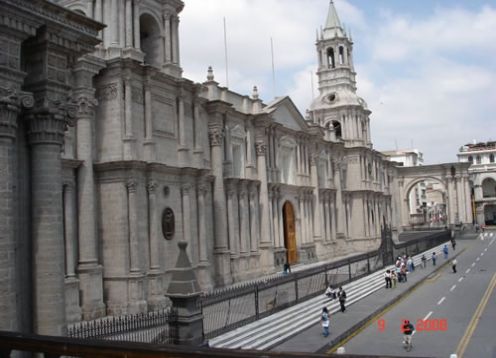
(109, 157)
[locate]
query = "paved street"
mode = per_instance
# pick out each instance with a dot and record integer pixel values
(457, 298)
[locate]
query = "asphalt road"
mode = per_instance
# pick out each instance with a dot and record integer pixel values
(465, 301)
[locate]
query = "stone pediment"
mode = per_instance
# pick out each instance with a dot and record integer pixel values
(282, 110)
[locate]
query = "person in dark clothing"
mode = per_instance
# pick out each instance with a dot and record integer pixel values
(342, 298)
(453, 244)
(453, 265)
(407, 328)
(286, 269)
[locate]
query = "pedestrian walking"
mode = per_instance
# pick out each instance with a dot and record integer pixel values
(387, 277)
(407, 328)
(342, 298)
(325, 322)
(453, 243)
(403, 273)
(453, 265)
(434, 258)
(445, 251)
(286, 269)
(424, 261)
(394, 278)
(409, 264)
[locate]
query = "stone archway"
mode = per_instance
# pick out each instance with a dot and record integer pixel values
(490, 214)
(289, 233)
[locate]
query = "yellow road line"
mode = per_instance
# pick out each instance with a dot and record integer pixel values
(462, 346)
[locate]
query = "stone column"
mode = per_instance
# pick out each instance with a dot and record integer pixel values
(46, 135)
(175, 40)
(317, 222)
(129, 23)
(202, 227)
(327, 217)
(275, 213)
(186, 204)
(333, 216)
(261, 150)
(149, 145)
(136, 21)
(89, 270)
(134, 246)
(108, 19)
(244, 219)
(69, 229)
(198, 145)
(129, 139)
(233, 234)
(303, 222)
(223, 270)
(183, 149)
(254, 215)
(153, 231)
(9, 110)
(468, 199)
(122, 23)
(167, 38)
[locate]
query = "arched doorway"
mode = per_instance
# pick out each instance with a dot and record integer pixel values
(490, 214)
(150, 40)
(289, 233)
(427, 203)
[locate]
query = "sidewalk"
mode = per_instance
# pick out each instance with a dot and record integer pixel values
(357, 314)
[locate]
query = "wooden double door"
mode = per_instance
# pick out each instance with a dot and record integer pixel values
(289, 233)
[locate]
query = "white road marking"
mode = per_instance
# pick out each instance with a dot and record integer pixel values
(473, 264)
(482, 254)
(452, 288)
(477, 259)
(468, 270)
(428, 315)
(460, 279)
(441, 300)
(485, 249)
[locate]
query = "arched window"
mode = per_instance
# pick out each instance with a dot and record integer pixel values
(348, 56)
(478, 159)
(489, 188)
(341, 55)
(491, 158)
(150, 40)
(337, 129)
(330, 58)
(471, 159)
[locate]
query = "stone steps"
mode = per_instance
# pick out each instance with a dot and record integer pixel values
(272, 330)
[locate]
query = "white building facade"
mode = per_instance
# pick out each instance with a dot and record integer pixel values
(481, 157)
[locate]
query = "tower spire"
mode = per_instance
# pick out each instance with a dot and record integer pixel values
(333, 24)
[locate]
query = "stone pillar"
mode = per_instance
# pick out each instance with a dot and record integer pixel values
(254, 222)
(244, 219)
(156, 298)
(122, 23)
(69, 229)
(134, 246)
(175, 39)
(46, 135)
(107, 32)
(222, 260)
(149, 145)
(136, 21)
(129, 139)
(261, 150)
(98, 15)
(129, 23)
(186, 204)
(197, 125)
(468, 199)
(233, 233)
(333, 216)
(9, 110)
(183, 149)
(328, 215)
(275, 213)
(89, 270)
(317, 221)
(202, 227)
(167, 38)
(303, 222)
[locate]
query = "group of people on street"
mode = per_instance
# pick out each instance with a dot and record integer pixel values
(333, 294)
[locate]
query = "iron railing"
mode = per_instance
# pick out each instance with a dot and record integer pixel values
(152, 327)
(229, 308)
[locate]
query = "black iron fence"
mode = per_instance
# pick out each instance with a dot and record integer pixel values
(226, 309)
(152, 327)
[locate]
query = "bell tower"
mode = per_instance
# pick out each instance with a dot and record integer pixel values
(145, 30)
(338, 109)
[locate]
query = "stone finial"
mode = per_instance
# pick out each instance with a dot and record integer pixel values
(254, 93)
(183, 279)
(210, 74)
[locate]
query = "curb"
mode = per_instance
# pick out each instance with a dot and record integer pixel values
(336, 342)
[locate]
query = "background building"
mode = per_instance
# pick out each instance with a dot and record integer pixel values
(481, 157)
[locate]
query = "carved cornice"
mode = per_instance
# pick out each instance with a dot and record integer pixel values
(11, 102)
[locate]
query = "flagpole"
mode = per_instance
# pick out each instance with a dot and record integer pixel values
(225, 53)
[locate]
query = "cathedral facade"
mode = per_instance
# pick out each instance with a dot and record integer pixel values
(148, 158)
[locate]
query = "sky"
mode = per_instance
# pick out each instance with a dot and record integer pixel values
(426, 68)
